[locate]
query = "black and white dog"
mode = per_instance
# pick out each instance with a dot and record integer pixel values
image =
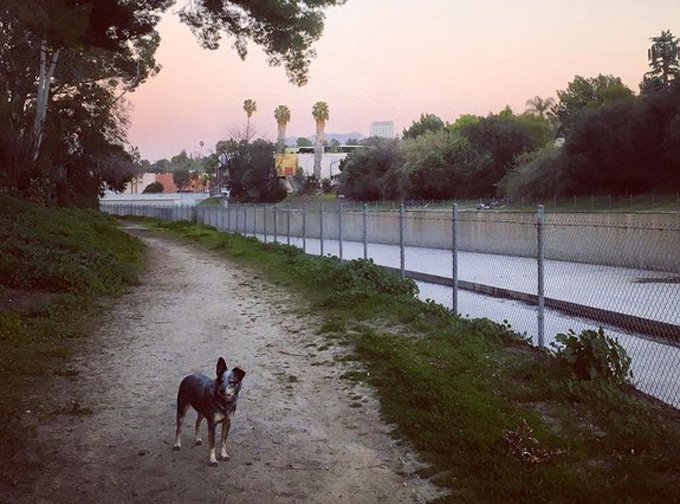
(214, 400)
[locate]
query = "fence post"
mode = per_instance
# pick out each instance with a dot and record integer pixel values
(229, 216)
(304, 228)
(288, 225)
(401, 240)
(276, 223)
(265, 223)
(454, 258)
(340, 230)
(321, 229)
(541, 293)
(365, 231)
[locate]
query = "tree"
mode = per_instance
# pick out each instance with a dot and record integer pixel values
(282, 116)
(427, 122)
(304, 142)
(363, 175)
(539, 106)
(284, 30)
(250, 107)
(154, 187)
(320, 113)
(441, 165)
(55, 54)
(77, 58)
(664, 60)
(587, 93)
(181, 178)
(504, 136)
(252, 172)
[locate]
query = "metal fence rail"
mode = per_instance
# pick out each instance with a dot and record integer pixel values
(544, 273)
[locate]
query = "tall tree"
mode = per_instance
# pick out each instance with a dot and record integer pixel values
(284, 30)
(664, 61)
(539, 106)
(250, 107)
(282, 116)
(587, 93)
(427, 122)
(320, 113)
(55, 54)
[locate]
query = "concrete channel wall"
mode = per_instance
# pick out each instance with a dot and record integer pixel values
(637, 240)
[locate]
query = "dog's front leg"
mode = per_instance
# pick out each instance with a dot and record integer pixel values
(211, 442)
(226, 424)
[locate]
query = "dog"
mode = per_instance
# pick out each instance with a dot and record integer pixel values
(215, 400)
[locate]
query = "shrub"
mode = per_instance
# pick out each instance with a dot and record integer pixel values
(154, 187)
(592, 355)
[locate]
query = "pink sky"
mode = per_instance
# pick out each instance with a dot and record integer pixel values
(393, 60)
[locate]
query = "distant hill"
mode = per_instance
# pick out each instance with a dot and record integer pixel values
(340, 137)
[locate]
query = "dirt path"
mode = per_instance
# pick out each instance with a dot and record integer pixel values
(298, 435)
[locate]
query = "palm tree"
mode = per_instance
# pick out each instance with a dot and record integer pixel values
(250, 107)
(282, 115)
(320, 113)
(539, 106)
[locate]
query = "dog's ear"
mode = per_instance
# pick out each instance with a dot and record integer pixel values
(239, 373)
(221, 367)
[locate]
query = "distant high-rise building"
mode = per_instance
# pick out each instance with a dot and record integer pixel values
(384, 129)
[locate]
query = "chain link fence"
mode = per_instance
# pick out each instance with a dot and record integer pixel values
(543, 273)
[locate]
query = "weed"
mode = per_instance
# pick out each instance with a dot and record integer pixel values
(592, 354)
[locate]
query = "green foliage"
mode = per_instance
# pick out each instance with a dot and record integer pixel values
(77, 255)
(440, 165)
(304, 142)
(427, 122)
(154, 187)
(592, 355)
(285, 32)
(252, 171)
(535, 174)
(504, 136)
(584, 94)
(363, 175)
(625, 147)
(664, 61)
(64, 250)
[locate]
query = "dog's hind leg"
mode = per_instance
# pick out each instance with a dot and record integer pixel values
(211, 442)
(226, 424)
(182, 407)
(197, 438)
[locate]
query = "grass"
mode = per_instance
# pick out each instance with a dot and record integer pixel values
(61, 264)
(497, 419)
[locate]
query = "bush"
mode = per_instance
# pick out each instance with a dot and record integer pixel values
(154, 187)
(592, 355)
(58, 250)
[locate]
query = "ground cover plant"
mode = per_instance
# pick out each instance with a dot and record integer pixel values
(55, 265)
(498, 420)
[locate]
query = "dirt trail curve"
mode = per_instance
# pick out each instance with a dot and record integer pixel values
(297, 435)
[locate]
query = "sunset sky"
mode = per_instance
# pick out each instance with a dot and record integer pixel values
(393, 60)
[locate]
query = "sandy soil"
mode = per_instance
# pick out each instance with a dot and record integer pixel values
(301, 434)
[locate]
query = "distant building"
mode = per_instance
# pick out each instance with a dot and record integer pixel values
(384, 129)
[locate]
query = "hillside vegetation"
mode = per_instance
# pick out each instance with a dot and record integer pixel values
(55, 264)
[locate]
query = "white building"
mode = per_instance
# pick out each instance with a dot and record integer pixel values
(330, 164)
(384, 129)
